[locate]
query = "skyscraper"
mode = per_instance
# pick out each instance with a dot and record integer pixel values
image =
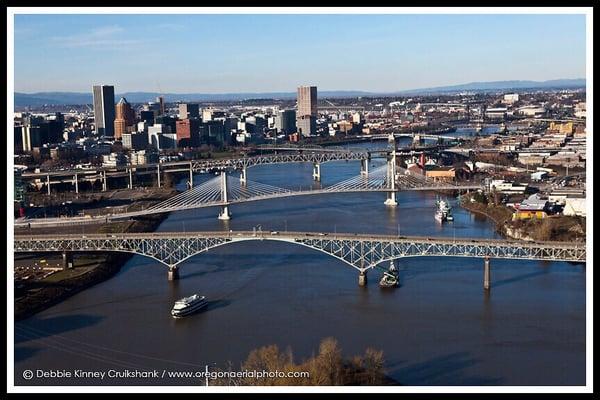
(285, 121)
(125, 118)
(306, 118)
(307, 101)
(104, 109)
(189, 110)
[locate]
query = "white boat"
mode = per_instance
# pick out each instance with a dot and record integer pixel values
(188, 305)
(439, 216)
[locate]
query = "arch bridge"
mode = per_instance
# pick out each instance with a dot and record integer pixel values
(360, 251)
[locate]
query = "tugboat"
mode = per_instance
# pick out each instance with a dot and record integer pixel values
(188, 305)
(439, 216)
(390, 277)
(443, 212)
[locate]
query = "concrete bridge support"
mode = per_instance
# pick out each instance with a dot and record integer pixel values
(364, 166)
(224, 215)
(362, 278)
(48, 183)
(487, 277)
(130, 178)
(243, 179)
(391, 178)
(317, 172)
(67, 260)
(173, 273)
(76, 182)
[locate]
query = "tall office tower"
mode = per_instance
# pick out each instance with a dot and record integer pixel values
(307, 101)
(104, 109)
(306, 118)
(161, 101)
(125, 118)
(188, 110)
(285, 121)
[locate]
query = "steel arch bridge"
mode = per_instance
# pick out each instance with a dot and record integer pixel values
(360, 251)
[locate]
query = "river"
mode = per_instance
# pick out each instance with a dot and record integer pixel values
(437, 328)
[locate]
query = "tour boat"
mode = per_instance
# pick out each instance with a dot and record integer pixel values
(188, 305)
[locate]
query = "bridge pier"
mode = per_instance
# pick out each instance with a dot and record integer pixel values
(76, 184)
(364, 166)
(391, 199)
(317, 172)
(487, 278)
(173, 273)
(191, 182)
(48, 183)
(67, 260)
(224, 215)
(243, 179)
(362, 278)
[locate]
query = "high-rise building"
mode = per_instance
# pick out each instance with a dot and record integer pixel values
(125, 118)
(307, 101)
(307, 110)
(285, 121)
(147, 116)
(188, 110)
(104, 109)
(161, 102)
(188, 133)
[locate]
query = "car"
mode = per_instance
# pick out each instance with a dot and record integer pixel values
(274, 233)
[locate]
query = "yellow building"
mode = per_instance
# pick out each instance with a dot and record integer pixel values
(565, 128)
(526, 214)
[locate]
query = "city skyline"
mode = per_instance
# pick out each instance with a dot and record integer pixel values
(271, 53)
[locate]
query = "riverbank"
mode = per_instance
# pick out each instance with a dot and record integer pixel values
(553, 228)
(33, 296)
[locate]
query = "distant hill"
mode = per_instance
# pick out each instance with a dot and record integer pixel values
(501, 85)
(63, 98)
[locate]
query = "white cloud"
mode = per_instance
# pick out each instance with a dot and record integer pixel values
(110, 37)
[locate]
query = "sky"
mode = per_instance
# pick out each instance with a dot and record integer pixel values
(276, 53)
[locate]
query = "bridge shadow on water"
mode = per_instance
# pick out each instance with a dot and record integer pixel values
(35, 328)
(447, 370)
(518, 278)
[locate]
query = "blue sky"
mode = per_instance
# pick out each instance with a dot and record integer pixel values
(264, 53)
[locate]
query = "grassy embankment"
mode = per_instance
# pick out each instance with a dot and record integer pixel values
(552, 228)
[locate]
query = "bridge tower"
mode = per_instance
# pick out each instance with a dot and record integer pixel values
(243, 177)
(391, 178)
(364, 166)
(317, 172)
(191, 181)
(224, 215)
(130, 177)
